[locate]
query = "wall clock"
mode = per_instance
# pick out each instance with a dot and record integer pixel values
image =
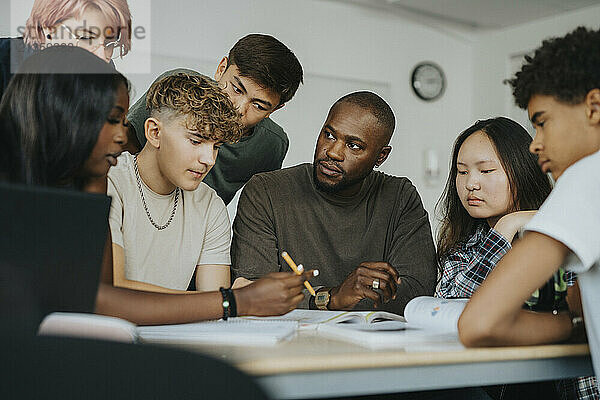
(428, 81)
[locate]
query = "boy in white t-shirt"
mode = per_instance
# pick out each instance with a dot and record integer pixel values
(167, 225)
(560, 87)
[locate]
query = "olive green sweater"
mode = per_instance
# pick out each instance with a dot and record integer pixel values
(384, 221)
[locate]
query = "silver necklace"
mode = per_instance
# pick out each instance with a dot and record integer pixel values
(139, 185)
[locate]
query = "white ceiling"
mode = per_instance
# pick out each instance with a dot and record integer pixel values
(476, 14)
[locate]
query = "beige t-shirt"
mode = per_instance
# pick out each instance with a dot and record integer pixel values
(198, 234)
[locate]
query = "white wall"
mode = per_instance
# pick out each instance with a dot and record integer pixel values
(342, 48)
(495, 59)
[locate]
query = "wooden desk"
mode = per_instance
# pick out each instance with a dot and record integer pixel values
(311, 367)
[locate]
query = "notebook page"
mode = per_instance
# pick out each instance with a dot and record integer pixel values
(382, 339)
(306, 316)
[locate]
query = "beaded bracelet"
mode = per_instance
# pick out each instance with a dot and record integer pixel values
(229, 305)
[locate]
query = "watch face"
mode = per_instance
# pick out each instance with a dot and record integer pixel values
(321, 297)
(428, 81)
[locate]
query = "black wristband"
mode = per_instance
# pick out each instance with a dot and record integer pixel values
(229, 305)
(232, 303)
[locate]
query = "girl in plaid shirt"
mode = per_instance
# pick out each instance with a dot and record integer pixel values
(494, 188)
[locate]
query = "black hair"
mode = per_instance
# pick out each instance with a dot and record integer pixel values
(566, 68)
(269, 63)
(376, 106)
(52, 113)
(528, 184)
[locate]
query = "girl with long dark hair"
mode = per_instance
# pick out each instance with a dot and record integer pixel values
(494, 187)
(63, 119)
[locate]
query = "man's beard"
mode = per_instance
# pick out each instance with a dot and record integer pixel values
(329, 188)
(342, 183)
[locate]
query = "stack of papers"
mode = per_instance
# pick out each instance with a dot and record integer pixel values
(235, 331)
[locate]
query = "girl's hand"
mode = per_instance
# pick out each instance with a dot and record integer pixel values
(274, 294)
(510, 224)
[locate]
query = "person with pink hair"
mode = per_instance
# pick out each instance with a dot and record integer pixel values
(102, 27)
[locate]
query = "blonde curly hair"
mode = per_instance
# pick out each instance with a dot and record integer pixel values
(205, 107)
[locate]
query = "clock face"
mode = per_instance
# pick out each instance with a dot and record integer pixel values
(428, 81)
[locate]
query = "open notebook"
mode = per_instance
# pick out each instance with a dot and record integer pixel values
(366, 320)
(429, 320)
(235, 331)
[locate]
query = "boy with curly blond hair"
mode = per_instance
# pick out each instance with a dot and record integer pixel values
(167, 224)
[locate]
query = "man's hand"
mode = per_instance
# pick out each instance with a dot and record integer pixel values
(276, 293)
(359, 285)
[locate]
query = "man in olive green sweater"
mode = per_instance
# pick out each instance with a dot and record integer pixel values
(366, 232)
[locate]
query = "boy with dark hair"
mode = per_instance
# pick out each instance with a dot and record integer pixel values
(560, 86)
(260, 75)
(267, 62)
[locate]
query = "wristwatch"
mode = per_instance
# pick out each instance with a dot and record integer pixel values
(322, 298)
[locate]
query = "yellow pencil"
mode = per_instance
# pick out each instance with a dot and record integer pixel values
(294, 268)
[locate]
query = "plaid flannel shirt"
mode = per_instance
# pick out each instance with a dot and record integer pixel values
(470, 263)
(587, 388)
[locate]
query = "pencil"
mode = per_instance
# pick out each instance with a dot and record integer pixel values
(294, 268)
